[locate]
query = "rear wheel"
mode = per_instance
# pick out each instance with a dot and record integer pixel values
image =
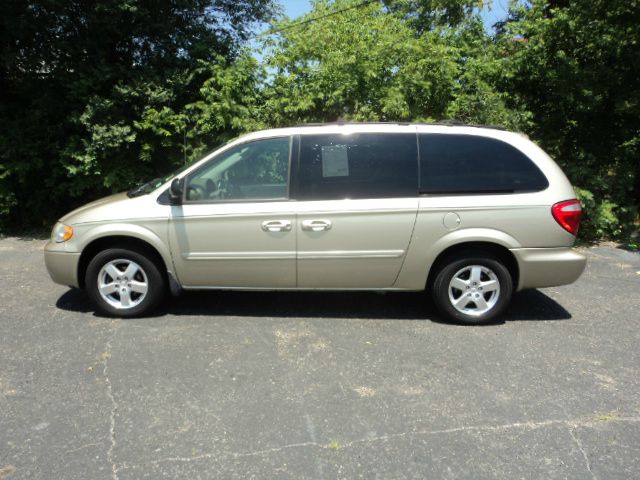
(124, 283)
(472, 289)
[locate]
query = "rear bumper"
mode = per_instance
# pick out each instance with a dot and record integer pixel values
(62, 266)
(548, 267)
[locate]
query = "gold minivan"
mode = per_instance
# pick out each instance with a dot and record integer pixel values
(469, 213)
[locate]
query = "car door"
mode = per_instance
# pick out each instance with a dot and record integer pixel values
(357, 205)
(236, 227)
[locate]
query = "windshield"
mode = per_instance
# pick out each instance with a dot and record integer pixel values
(150, 186)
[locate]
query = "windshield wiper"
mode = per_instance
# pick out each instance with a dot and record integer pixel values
(142, 189)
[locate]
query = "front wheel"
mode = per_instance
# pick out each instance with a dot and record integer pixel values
(124, 283)
(472, 289)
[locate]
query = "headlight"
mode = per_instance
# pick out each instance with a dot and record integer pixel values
(61, 233)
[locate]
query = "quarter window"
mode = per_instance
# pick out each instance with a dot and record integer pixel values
(257, 170)
(452, 163)
(358, 165)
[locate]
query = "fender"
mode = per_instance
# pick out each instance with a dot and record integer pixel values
(465, 235)
(153, 237)
(425, 247)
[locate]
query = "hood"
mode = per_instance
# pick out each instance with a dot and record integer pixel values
(116, 206)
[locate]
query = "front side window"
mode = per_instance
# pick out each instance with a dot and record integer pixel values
(358, 165)
(257, 170)
(452, 163)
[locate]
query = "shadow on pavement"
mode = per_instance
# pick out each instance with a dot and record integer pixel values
(527, 305)
(75, 300)
(535, 305)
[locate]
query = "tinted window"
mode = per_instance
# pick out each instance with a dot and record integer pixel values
(358, 165)
(252, 170)
(470, 164)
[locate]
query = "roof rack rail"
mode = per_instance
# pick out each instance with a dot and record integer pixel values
(459, 123)
(441, 123)
(347, 122)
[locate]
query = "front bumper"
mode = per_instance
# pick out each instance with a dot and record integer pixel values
(62, 266)
(548, 267)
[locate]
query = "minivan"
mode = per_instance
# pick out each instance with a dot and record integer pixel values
(470, 214)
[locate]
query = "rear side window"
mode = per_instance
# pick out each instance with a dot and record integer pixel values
(474, 164)
(358, 165)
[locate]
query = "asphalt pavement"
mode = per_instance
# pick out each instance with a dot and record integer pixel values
(319, 385)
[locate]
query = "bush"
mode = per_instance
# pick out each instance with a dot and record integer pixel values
(600, 219)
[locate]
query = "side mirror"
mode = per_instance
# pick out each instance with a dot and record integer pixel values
(176, 190)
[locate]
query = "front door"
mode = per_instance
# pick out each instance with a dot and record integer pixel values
(357, 206)
(236, 226)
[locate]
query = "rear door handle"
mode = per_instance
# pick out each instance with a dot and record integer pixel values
(276, 226)
(316, 225)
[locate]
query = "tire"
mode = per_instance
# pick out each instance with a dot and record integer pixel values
(472, 289)
(132, 284)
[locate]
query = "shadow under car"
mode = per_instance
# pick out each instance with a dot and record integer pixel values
(528, 305)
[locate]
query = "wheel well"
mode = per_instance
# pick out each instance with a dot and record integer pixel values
(469, 248)
(119, 241)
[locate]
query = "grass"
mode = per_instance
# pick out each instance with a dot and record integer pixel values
(334, 445)
(607, 417)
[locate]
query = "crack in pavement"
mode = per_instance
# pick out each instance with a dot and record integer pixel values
(570, 424)
(114, 405)
(583, 452)
(82, 447)
(205, 456)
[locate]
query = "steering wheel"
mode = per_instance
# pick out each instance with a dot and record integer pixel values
(196, 192)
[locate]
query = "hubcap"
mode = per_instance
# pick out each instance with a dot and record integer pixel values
(474, 290)
(122, 283)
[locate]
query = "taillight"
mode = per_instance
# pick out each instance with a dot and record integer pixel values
(568, 214)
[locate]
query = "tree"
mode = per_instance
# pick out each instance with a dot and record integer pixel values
(363, 61)
(576, 66)
(97, 96)
(425, 15)
(93, 93)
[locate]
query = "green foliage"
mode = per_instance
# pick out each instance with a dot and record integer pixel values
(425, 15)
(371, 64)
(346, 65)
(476, 99)
(98, 96)
(600, 219)
(576, 65)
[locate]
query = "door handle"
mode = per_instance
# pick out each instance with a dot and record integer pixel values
(276, 226)
(316, 225)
